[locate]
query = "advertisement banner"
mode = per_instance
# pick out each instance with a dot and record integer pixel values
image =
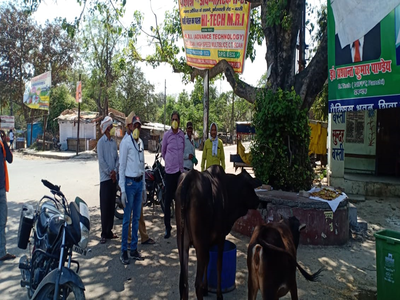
(37, 92)
(214, 30)
(363, 74)
(7, 122)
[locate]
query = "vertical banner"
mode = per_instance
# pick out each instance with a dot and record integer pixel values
(37, 92)
(78, 95)
(214, 30)
(363, 55)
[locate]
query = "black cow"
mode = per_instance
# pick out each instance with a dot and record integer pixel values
(271, 260)
(207, 206)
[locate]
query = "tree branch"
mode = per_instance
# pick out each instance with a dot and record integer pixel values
(309, 82)
(239, 87)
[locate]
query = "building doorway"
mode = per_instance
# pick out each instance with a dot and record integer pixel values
(388, 142)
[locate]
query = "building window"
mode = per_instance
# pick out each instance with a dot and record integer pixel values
(355, 127)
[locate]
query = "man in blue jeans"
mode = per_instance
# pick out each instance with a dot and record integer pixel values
(6, 156)
(132, 184)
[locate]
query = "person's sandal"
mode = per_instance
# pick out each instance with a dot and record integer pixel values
(150, 241)
(8, 256)
(103, 240)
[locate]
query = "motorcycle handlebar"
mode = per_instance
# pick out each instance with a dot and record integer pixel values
(51, 186)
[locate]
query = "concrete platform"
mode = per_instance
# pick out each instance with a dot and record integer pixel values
(368, 185)
(323, 227)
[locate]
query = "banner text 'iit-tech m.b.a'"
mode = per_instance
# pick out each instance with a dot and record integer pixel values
(214, 30)
(363, 55)
(37, 92)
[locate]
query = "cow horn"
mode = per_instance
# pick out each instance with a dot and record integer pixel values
(301, 227)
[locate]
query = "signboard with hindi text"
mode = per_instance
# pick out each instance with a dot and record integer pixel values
(363, 55)
(214, 30)
(37, 92)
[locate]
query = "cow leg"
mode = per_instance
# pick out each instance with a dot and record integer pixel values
(203, 257)
(293, 289)
(205, 281)
(219, 269)
(183, 249)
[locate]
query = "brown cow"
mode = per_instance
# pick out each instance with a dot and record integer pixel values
(207, 206)
(271, 260)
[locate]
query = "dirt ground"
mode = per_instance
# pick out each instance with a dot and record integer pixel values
(350, 270)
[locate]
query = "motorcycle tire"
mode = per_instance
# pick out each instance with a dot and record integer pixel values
(119, 209)
(75, 292)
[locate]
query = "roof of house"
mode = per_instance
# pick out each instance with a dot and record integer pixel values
(72, 115)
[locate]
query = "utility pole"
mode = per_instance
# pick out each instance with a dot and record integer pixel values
(302, 43)
(165, 101)
(79, 118)
(205, 106)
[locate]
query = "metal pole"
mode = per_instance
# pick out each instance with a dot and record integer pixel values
(79, 118)
(165, 101)
(205, 106)
(44, 132)
(302, 42)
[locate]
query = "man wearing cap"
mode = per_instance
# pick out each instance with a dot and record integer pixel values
(108, 165)
(146, 240)
(132, 184)
(173, 146)
(189, 155)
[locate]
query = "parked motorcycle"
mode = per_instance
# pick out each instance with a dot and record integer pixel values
(59, 229)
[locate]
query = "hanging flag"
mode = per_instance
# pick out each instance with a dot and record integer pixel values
(78, 96)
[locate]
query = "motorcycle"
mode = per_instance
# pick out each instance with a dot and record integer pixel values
(59, 229)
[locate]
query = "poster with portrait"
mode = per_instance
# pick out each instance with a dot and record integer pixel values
(363, 55)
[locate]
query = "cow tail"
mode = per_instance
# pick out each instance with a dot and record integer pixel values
(310, 277)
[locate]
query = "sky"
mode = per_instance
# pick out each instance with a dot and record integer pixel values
(50, 9)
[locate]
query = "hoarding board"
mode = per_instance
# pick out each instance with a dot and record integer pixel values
(363, 55)
(37, 92)
(214, 30)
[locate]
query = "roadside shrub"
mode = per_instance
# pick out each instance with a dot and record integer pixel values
(280, 149)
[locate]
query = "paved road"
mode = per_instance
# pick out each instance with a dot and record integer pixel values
(101, 271)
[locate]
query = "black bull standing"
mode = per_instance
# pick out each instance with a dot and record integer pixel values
(207, 206)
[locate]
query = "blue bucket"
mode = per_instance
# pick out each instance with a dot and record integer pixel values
(228, 268)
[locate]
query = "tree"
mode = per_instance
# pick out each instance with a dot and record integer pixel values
(27, 50)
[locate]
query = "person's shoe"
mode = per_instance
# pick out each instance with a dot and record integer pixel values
(136, 255)
(167, 234)
(124, 258)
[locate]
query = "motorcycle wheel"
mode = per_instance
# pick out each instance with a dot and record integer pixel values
(74, 292)
(119, 209)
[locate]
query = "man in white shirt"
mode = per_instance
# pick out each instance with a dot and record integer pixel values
(108, 166)
(132, 184)
(189, 155)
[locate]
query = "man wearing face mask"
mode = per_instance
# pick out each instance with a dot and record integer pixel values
(131, 182)
(108, 165)
(173, 146)
(146, 240)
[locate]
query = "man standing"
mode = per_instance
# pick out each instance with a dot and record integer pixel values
(173, 146)
(189, 156)
(108, 165)
(6, 156)
(132, 184)
(146, 240)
